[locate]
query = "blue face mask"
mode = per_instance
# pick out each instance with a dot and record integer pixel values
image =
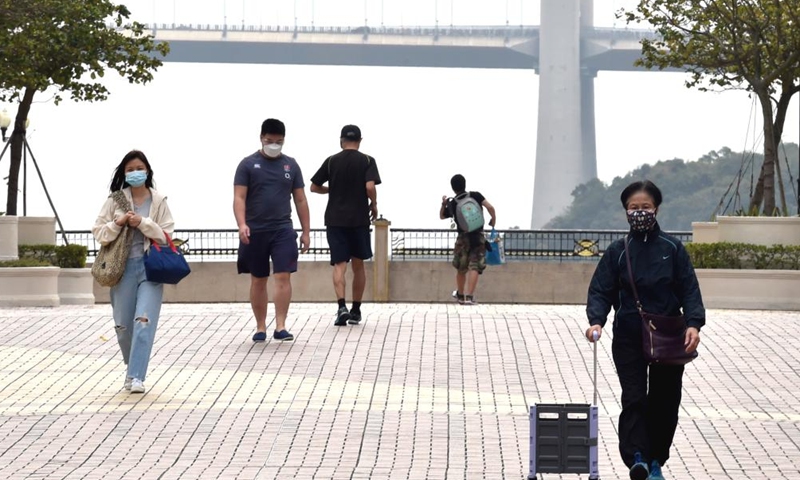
(137, 178)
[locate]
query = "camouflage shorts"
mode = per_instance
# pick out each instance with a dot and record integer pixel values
(468, 256)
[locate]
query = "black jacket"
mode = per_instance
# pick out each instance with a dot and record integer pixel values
(665, 280)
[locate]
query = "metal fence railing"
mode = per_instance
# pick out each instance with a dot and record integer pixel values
(520, 245)
(206, 245)
(406, 244)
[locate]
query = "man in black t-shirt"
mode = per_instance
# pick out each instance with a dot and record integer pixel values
(352, 204)
(469, 253)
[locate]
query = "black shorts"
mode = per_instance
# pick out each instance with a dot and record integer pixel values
(280, 245)
(349, 242)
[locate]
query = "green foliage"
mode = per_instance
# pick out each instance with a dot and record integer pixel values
(41, 253)
(692, 192)
(71, 256)
(66, 47)
(70, 45)
(25, 262)
(64, 256)
(744, 256)
(752, 45)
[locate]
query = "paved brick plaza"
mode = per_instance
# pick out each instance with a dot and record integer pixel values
(416, 391)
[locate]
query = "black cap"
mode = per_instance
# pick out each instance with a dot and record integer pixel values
(351, 133)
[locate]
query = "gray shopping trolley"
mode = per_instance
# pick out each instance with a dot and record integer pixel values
(564, 436)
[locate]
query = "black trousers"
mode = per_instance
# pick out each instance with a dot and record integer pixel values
(649, 409)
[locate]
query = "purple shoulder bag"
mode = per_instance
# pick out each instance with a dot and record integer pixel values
(663, 336)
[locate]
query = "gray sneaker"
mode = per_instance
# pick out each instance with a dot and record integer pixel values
(342, 316)
(127, 384)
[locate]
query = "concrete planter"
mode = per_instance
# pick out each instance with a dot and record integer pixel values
(29, 287)
(750, 289)
(37, 231)
(705, 232)
(759, 230)
(76, 286)
(9, 233)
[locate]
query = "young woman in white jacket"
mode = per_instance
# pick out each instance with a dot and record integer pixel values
(136, 303)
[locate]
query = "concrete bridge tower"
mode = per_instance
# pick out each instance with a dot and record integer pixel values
(566, 109)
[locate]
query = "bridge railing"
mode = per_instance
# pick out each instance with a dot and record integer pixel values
(460, 31)
(490, 31)
(406, 244)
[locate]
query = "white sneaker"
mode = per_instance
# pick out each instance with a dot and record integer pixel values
(137, 386)
(127, 384)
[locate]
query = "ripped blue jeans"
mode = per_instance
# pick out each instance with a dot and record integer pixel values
(137, 305)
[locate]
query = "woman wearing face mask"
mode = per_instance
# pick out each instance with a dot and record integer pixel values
(136, 303)
(667, 285)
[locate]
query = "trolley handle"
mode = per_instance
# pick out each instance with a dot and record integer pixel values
(595, 337)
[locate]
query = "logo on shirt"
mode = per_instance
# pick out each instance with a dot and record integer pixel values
(287, 168)
(257, 165)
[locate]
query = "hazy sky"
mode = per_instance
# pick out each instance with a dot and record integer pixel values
(197, 121)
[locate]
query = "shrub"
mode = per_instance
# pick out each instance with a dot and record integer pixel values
(64, 256)
(744, 256)
(25, 262)
(71, 256)
(42, 253)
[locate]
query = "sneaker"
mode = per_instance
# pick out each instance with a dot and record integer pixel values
(469, 300)
(342, 316)
(355, 317)
(655, 471)
(137, 386)
(458, 297)
(127, 384)
(639, 469)
(283, 336)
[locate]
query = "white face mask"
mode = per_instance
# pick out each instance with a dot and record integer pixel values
(273, 150)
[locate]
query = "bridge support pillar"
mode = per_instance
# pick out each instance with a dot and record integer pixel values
(589, 137)
(559, 153)
(565, 146)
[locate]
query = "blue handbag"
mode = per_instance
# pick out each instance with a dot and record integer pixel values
(165, 265)
(495, 256)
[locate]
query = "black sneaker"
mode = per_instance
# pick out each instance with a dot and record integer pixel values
(342, 316)
(458, 297)
(355, 317)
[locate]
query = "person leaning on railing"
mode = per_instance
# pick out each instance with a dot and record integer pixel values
(469, 252)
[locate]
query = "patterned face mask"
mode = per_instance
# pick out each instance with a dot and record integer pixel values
(641, 220)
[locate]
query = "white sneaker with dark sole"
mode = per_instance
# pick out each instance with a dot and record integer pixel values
(137, 386)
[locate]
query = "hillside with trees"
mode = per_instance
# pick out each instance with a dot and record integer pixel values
(693, 191)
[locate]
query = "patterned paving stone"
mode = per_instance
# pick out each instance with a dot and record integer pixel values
(414, 392)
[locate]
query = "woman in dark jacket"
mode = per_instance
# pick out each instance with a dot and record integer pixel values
(667, 285)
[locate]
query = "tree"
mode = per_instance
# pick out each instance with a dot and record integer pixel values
(66, 46)
(752, 45)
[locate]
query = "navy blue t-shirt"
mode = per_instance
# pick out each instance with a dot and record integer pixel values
(269, 183)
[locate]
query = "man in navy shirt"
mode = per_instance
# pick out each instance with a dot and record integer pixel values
(264, 184)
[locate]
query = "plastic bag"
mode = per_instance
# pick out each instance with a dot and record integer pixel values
(495, 252)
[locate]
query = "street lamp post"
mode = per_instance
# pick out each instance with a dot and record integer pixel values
(5, 122)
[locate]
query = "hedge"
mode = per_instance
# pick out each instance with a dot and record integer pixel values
(744, 256)
(64, 256)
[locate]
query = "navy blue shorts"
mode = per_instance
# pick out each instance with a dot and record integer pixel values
(349, 242)
(280, 245)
